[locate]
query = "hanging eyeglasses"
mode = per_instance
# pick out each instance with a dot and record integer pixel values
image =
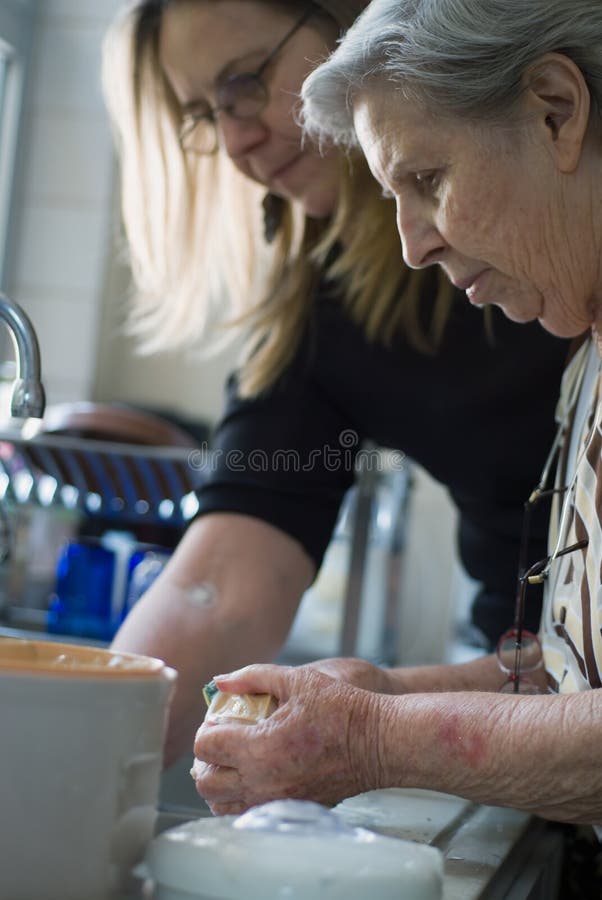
(519, 652)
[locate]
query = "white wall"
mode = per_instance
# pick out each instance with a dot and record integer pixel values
(16, 18)
(179, 382)
(62, 196)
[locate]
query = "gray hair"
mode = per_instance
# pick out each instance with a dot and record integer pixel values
(461, 58)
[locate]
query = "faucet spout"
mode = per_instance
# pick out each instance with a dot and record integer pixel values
(28, 398)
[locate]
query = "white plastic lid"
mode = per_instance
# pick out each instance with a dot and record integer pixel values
(291, 849)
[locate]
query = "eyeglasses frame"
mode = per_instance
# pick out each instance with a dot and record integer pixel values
(535, 574)
(191, 120)
(539, 571)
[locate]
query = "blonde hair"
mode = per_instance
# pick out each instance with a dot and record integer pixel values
(194, 227)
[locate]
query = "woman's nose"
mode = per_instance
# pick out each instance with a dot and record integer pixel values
(421, 242)
(238, 137)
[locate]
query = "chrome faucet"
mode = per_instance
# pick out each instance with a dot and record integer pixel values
(28, 398)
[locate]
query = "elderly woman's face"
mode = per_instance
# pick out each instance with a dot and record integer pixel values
(203, 43)
(491, 209)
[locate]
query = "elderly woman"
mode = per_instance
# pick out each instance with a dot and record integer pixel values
(220, 189)
(482, 120)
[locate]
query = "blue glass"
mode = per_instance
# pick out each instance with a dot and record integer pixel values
(83, 602)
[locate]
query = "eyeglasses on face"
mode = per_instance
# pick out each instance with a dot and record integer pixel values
(242, 96)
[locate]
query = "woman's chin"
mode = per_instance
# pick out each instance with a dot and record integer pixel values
(550, 316)
(520, 304)
(315, 205)
(520, 316)
(320, 204)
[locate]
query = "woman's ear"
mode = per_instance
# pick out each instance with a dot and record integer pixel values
(561, 99)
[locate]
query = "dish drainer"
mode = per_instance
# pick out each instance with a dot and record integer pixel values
(113, 480)
(133, 484)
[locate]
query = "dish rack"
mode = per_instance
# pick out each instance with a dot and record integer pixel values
(113, 480)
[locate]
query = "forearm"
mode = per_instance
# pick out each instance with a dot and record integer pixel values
(481, 674)
(198, 641)
(537, 753)
(227, 598)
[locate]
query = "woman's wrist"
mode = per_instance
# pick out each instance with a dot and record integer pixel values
(418, 741)
(375, 720)
(363, 751)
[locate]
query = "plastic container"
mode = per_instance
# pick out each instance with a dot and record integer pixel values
(289, 849)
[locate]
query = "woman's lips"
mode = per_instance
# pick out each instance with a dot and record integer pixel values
(281, 173)
(476, 290)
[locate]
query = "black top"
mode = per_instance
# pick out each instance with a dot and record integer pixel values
(478, 415)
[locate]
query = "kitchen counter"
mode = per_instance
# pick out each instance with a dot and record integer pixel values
(489, 852)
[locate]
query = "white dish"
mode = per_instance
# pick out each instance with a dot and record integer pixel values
(289, 849)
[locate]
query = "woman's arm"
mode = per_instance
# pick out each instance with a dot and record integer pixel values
(226, 598)
(537, 753)
(328, 740)
(482, 674)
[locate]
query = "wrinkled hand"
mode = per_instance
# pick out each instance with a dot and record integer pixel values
(358, 672)
(320, 744)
